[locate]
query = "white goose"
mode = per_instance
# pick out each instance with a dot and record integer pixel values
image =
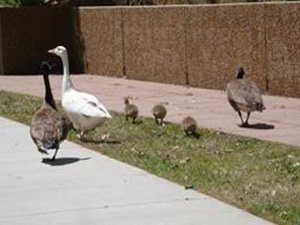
(83, 109)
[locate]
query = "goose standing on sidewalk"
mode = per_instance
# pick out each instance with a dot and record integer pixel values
(48, 128)
(243, 95)
(83, 109)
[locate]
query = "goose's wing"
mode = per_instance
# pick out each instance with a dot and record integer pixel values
(47, 128)
(244, 92)
(62, 127)
(252, 94)
(233, 92)
(86, 105)
(36, 131)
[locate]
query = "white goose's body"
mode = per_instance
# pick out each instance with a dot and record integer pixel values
(83, 109)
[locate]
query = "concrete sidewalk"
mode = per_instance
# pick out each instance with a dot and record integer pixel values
(84, 187)
(280, 122)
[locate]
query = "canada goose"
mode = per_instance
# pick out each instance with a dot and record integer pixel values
(48, 128)
(189, 125)
(131, 110)
(159, 112)
(83, 109)
(243, 95)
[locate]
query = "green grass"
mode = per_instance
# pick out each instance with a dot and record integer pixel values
(258, 176)
(12, 3)
(20, 3)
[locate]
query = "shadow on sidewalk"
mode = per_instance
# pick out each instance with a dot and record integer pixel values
(62, 161)
(259, 126)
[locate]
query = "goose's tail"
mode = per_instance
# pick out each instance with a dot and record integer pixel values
(260, 107)
(48, 144)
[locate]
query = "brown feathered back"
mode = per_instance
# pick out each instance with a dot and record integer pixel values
(243, 94)
(159, 111)
(189, 124)
(131, 110)
(48, 128)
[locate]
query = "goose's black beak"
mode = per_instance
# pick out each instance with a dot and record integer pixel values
(47, 66)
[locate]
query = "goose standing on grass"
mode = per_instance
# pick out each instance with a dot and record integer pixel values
(189, 125)
(243, 95)
(159, 112)
(48, 128)
(131, 110)
(83, 109)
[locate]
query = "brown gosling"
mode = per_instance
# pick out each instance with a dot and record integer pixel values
(189, 125)
(131, 110)
(159, 112)
(243, 95)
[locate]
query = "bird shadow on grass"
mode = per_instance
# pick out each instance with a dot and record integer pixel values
(63, 161)
(195, 135)
(100, 141)
(138, 122)
(259, 126)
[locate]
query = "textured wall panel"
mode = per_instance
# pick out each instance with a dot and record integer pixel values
(220, 39)
(101, 39)
(283, 49)
(154, 40)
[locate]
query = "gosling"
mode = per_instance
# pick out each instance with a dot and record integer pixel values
(131, 110)
(189, 125)
(243, 95)
(159, 112)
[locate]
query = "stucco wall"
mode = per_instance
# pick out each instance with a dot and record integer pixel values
(283, 49)
(201, 46)
(101, 39)
(220, 40)
(154, 44)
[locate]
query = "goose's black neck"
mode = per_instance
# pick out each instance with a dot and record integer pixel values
(48, 93)
(240, 74)
(45, 68)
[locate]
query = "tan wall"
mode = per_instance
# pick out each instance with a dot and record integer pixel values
(101, 40)
(199, 45)
(154, 41)
(220, 40)
(283, 49)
